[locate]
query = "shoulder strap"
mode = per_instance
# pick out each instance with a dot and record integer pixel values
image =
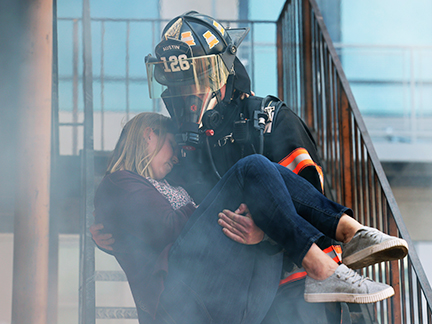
(271, 106)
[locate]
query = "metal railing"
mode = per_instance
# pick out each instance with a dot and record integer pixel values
(312, 82)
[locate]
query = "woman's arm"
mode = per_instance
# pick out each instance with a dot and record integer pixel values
(128, 205)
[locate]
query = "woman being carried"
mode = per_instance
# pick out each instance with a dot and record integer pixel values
(181, 267)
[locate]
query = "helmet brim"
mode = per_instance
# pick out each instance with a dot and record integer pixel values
(237, 35)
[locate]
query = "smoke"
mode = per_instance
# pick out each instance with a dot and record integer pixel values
(11, 34)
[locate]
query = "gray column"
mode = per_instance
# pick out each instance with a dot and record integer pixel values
(31, 223)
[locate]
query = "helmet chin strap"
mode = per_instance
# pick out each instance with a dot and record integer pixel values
(229, 91)
(168, 101)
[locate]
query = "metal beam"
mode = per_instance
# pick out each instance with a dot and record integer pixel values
(87, 261)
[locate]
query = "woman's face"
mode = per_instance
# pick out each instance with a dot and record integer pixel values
(165, 159)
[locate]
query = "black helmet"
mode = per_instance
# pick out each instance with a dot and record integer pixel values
(198, 41)
(205, 36)
(195, 59)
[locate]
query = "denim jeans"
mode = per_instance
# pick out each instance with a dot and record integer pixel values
(213, 279)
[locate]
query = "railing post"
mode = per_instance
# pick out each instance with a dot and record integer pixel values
(307, 64)
(394, 277)
(75, 77)
(87, 261)
(53, 262)
(345, 130)
(279, 58)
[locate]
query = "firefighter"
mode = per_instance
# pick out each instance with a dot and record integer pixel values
(206, 90)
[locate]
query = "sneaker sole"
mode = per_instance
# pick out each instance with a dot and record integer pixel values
(390, 250)
(350, 298)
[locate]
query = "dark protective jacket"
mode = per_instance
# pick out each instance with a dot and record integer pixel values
(287, 141)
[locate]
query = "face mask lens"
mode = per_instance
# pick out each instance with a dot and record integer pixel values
(186, 76)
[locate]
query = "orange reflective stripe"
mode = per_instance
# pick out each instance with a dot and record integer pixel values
(294, 277)
(290, 157)
(329, 249)
(188, 38)
(300, 159)
(321, 175)
(303, 164)
(335, 252)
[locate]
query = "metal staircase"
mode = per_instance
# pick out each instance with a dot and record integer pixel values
(320, 93)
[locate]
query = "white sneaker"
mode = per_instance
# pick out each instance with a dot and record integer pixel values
(370, 246)
(346, 285)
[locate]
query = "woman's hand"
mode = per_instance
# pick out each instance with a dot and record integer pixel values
(239, 226)
(104, 241)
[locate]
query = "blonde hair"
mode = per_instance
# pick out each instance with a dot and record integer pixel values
(131, 151)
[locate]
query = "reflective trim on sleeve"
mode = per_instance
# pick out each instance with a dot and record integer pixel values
(299, 159)
(334, 252)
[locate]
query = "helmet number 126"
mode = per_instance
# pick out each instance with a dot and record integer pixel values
(176, 63)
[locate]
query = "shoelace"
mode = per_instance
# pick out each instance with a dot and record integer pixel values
(373, 233)
(355, 277)
(362, 233)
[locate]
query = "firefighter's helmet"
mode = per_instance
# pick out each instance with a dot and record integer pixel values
(195, 50)
(194, 61)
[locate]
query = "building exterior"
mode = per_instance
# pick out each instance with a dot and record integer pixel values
(386, 52)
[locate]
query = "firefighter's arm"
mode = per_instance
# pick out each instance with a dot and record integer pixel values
(300, 162)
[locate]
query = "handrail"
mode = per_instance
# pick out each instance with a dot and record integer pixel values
(311, 80)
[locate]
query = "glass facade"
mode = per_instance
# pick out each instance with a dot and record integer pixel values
(386, 52)
(386, 55)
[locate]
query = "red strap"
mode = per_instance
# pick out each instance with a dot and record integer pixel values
(334, 251)
(294, 277)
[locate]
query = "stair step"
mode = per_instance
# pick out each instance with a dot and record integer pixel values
(110, 276)
(116, 313)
